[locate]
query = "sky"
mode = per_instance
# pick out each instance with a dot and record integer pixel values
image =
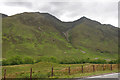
(103, 11)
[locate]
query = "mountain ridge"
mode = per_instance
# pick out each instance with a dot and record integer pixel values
(83, 17)
(42, 34)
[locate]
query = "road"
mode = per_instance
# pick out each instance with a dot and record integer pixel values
(113, 76)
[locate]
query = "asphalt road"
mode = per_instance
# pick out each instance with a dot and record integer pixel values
(113, 76)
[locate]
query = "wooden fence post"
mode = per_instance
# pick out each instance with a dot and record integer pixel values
(111, 67)
(31, 74)
(69, 70)
(52, 72)
(93, 68)
(82, 68)
(5, 74)
(103, 67)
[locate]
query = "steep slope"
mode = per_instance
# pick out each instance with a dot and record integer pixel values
(32, 34)
(41, 34)
(61, 26)
(94, 35)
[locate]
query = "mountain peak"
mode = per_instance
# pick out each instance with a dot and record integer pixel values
(88, 20)
(84, 17)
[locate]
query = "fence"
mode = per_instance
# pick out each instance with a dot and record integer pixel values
(86, 69)
(82, 69)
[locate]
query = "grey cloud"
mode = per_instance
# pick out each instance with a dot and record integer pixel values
(24, 4)
(119, 13)
(95, 10)
(72, 8)
(59, 3)
(60, 8)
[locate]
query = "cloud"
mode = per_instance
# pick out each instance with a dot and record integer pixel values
(26, 4)
(104, 12)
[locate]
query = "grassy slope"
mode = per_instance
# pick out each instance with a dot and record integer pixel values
(28, 39)
(35, 35)
(102, 39)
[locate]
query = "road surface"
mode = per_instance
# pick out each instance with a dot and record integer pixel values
(113, 76)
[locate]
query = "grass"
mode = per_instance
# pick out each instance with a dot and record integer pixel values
(60, 70)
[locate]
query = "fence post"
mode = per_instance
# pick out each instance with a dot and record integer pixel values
(103, 67)
(69, 70)
(31, 74)
(52, 72)
(111, 67)
(82, 68)
(5, 74)
(93, 68)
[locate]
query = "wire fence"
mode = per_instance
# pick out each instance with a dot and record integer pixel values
(74, 70)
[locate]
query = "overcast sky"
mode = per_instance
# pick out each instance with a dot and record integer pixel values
(104, 11)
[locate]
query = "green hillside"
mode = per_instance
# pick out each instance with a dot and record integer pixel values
(98, 37)
(43, 35)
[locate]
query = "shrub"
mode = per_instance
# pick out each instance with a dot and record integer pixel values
(15, 60)
(98, 61)
(28, 60)
(5, 62)
(82, 61)
(113, 62)
(74, 61)
(47, 59)
(53, 59)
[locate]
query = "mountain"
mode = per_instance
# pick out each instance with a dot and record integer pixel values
(42, 35)
(3, 15)
(94, 35)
